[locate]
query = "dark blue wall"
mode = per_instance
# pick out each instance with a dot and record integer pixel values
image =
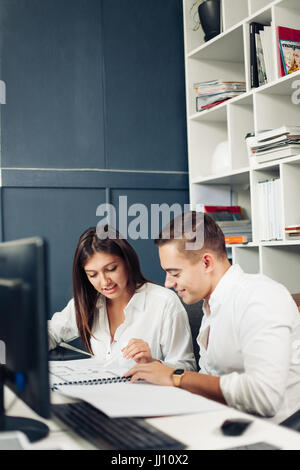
(95, 109)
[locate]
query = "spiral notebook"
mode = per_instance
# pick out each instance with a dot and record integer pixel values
(82, 372)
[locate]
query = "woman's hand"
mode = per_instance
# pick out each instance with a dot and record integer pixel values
(138, 350)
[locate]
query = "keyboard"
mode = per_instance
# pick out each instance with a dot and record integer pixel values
(256, 446)
(113, 433)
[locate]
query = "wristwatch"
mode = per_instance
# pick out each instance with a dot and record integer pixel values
(177, 377)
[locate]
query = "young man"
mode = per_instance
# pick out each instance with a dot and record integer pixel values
(250, 334)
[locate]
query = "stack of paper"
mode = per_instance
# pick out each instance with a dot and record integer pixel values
(112, 394)
(273, 144)
(140, 399)
(239, 231)
(292, 232)
(212, 93)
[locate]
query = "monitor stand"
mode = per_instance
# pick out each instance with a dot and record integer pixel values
(33, 429)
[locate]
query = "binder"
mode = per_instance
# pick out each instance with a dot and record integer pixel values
(82, 372)
(100, 381)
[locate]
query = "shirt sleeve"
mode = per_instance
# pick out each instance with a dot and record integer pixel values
(176, 338)
(264, 335)
(62, 326)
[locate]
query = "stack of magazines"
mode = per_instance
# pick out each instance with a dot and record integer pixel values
(292, 232)
(212, 93)
(273, 144)
(238, 231)
(235, 227)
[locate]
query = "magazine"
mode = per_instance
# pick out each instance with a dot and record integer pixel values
(290, 37)
(290, 54)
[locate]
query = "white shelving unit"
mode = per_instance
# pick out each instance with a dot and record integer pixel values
(227, 57)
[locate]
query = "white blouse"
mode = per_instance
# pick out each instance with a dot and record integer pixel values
(153, 314)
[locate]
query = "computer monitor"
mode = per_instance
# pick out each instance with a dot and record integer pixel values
(23, 332)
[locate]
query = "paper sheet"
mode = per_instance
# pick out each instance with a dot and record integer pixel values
(140, 399)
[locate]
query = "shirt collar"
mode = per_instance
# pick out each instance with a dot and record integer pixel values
(137, 301)
(224, 286)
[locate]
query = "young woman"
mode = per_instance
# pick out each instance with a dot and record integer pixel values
(117, 313)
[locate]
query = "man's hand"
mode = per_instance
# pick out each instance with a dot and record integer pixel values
(155, 373)
(138, 350)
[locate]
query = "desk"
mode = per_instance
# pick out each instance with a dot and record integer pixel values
(199, 431)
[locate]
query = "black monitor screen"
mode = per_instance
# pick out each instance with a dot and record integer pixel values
(23, 321)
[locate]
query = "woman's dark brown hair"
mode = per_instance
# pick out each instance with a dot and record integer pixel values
(85, 295)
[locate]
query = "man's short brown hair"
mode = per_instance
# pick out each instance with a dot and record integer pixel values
(191, 228)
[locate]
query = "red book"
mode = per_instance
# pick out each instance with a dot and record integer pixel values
(223, 213)
(211, 105)
(229, 209)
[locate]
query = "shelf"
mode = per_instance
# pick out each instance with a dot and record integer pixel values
(240, 176)
(217, 114)
(212, 132)
(275, 163)
(227, 46)
(281, 243)
(289, 4)
(282, 86)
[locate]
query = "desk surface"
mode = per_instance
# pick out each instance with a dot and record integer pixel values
(198, 431)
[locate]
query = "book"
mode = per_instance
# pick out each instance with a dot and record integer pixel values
(277, 141)
(273, 144)
(254, 29)
(279, 131)
(202, 89)
(293, 236)
(209, 106)
(270, 210)
(236, 239)
(269, 155)
(292, 228)
(292, 232)
(235, 223)
(218, 83)
(215, 92)
(290, 55)
(266, 42)
(288, 41)
(287, 143)
(205, 100)
(224, 213)
(261, 67)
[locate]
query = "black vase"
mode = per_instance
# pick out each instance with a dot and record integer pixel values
(209, 15)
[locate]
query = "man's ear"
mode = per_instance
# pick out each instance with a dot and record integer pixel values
(209, 262)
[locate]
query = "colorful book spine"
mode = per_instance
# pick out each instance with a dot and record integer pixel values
(236, 239)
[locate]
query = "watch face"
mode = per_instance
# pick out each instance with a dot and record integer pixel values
(178, 372)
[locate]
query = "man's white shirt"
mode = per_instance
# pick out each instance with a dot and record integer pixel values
(250, 336)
